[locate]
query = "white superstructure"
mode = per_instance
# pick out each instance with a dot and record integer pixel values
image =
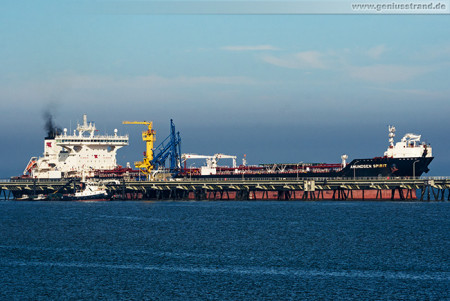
(409, 147)
(83, 152)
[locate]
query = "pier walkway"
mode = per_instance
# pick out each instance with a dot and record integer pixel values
(423, 189)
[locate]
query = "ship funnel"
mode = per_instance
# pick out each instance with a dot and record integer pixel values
(50, 127)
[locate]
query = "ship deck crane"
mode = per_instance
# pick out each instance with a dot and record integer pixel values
(169, 147)
(211, 161)
(155, 158)
(149, 137)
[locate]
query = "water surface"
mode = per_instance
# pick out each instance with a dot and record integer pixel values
(224, 250)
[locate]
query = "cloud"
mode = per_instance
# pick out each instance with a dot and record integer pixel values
(87, 88)
(377, 51)
(89, 81)
(437, 52)
(415, 93)
(346, 65)
(299, 60)
(387, 73)
(250, 48)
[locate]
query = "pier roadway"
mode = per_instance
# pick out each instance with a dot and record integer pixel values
(423, 189)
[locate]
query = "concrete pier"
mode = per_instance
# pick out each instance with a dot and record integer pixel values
(422, 189)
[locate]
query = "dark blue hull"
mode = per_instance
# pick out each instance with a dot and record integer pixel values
(387, 167)
(375, 167)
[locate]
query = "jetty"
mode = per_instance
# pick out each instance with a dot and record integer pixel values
(306, 189)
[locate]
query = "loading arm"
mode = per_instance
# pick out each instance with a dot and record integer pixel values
(149, 137)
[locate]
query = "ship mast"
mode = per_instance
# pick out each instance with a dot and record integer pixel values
(85, 127)
(391, 135)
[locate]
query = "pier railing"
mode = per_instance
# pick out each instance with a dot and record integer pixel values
(247, 179)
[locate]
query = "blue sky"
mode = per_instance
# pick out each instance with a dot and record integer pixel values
(279, 88)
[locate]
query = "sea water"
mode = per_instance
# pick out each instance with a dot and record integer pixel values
(224, 250)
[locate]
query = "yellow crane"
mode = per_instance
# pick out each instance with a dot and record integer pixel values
(148, 136)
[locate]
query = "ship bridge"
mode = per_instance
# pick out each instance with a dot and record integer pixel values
(90, 139)
(408, 147)
(74, 155)
(98, 140)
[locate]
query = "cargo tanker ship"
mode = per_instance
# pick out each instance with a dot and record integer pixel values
(407, 158)
(92, 158)
(86, 154)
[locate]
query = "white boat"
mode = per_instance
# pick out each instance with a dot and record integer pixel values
(88, 190)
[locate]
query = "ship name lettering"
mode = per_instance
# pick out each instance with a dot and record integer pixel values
(379, 165)
(362, 166)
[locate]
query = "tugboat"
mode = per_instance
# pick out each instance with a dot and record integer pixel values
(89, 190)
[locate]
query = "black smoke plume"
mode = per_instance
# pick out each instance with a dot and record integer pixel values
(50, 127)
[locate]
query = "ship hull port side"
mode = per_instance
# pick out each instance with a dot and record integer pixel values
(407, 158)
